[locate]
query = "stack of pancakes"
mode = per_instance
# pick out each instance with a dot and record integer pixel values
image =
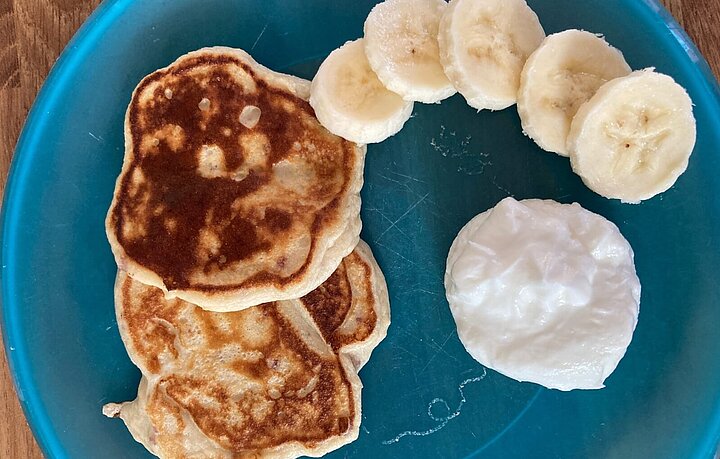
(243, 294)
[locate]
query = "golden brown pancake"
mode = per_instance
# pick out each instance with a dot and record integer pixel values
(275, 380)
(231, 193)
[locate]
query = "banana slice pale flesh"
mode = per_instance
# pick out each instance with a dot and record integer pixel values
(402, 48)
(561, 75)
(633, 138)
(483, 47)
(350, 101)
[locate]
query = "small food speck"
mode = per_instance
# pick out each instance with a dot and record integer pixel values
(250, 116)
(204, 104)
(168, 93)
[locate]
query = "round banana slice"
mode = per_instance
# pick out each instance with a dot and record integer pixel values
(634, 137)
(483, 47)
(561, 75)
(401, 46)
(351, 102)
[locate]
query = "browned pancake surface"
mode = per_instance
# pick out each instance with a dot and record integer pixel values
(209, 204)
(330, 304)
(251, 380)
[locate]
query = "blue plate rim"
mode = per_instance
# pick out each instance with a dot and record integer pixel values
(78, 46)
(15, 351)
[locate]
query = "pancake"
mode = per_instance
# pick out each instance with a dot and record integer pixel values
(275, 380)
(231, 192)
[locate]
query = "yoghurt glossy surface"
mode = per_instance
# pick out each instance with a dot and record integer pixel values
(544, 292)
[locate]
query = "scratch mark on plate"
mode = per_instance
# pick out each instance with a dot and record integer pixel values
(389, 221)
(438, 350)
(391, 180)
(422, 290)
(442, 420)
(96, 137)
(396, 253)
(400, 348)
(405, 184)
(258, 37)
(409, 177)
(501, 188)
(409, 209)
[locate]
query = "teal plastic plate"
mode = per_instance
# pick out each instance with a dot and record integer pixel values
(424, 396)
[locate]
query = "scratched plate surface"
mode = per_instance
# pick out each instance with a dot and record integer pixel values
(424, 396)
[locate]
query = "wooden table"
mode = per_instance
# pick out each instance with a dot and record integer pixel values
(33, 33)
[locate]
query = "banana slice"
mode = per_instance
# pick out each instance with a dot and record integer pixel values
(351, 102)
(401, 46)
(561, 75)
(483, 47)
(634, 137)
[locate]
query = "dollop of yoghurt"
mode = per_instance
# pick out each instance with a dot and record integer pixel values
(544, 292)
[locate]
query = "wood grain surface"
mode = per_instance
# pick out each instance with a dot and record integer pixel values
(33, 33)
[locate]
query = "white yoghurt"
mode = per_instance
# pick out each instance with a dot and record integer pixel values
(544, 292)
